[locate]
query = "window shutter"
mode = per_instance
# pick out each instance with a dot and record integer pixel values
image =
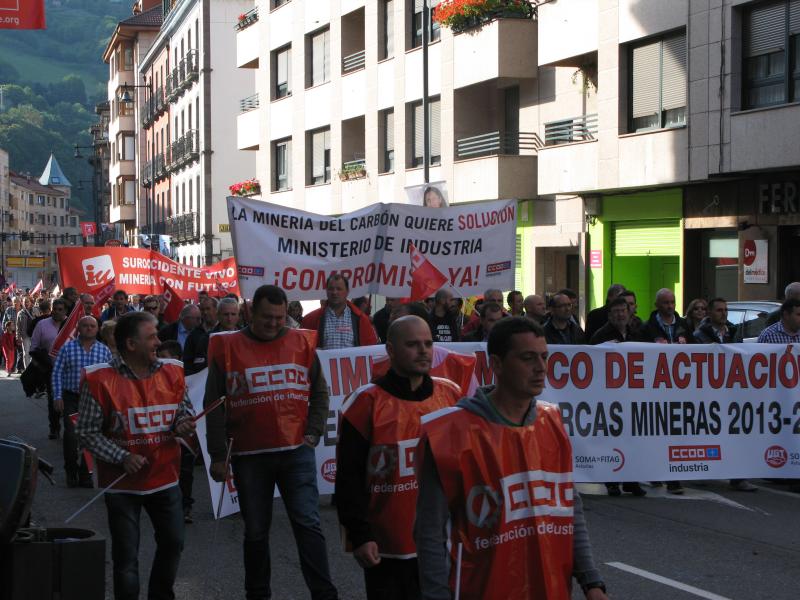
(326, 55)
(418, 132)
(765, 29)
(130, 191)
(288, 158)
(289, 69)
(317, 58)
(389, 130)
(283, 66)
(318, 154)
(673, 94)
(646, 80)
(647, 238)
(418, 6)
(436, 130)
(129, 147)
(794, 17)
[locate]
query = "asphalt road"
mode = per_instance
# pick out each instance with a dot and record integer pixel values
(710, 543)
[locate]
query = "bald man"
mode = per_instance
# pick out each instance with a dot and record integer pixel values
(74, 356)
(376, 486)
(535, 308)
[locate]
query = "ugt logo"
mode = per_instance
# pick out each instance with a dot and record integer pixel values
(98, 270)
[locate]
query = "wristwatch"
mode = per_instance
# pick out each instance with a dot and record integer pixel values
(594, 585)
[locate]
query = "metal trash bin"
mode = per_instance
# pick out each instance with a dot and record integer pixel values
(57, 564)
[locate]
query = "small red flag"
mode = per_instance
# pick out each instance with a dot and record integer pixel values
(101, 296)
(88, 228)
(174, 304)
(426, 279)
(38, 287)
(69, 330)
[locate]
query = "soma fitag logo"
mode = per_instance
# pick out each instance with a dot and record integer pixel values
(693, 458)
(615, 460)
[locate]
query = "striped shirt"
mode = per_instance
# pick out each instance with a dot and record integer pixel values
(777, 334)
(91, 419)
(71, 359)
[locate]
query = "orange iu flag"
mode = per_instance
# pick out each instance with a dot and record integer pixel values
(426, 279)
(22, 14)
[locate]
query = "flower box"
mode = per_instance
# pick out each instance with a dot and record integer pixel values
(461, 15)
(251, 187)
(352, 171)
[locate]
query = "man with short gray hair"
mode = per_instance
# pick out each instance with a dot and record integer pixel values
(179, 330)
(490, 295)
(791, 292)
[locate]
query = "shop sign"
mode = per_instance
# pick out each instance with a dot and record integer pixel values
(595, 259)
(778, 198)
(224, 228)
(756, 261)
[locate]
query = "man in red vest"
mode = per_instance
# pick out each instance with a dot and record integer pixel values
(339, 323)
(376, 485)
(275, 412)
(130, 410)
(497, 469)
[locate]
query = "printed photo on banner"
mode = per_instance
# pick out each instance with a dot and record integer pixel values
(471, 245)
(430, 195)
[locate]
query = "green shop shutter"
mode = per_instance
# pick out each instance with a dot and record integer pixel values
(647, 238)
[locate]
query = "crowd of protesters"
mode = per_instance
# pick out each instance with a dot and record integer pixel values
(129, 348)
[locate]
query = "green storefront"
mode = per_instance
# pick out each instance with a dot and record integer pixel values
(637, 240)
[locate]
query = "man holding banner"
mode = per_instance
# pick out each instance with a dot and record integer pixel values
(375, 481)
(502, 444)
(275, 412)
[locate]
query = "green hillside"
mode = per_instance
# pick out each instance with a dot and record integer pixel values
(51, 81)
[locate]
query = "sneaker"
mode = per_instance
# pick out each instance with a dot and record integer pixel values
(674, 487)
(634, 488)
(187, 516)
(742, 485)
(613, 489)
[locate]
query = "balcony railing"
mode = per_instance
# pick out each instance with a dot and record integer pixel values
(160, 166)
(184, 228)
(158, 228)
(190, 68)
(147, 174)
(147, 114)
(497, 143)
(249, 103)
(160, 104)
(185, 150)
(567, 131)
(354, 62)
(247, 19)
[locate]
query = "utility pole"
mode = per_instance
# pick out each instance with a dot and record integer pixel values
(426, 128)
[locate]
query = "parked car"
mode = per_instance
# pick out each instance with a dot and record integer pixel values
(751, 315)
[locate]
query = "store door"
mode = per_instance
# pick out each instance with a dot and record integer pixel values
(789, 261)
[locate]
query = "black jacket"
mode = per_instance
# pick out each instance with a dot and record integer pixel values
(195, 350)
(596, 319)
(609, 333)
(705, 334)
(169, 332)
(654, 332)
(573, 334)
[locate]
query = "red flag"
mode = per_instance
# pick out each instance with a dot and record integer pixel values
(22, 14)
(101, 296)
(10, 289)
(426, 279)
(38, 287)
(69, 330)
(174, 304)
(88, 228)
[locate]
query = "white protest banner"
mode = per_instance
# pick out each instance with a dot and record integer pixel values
(195, 387)
(472, 244)
(641, 412)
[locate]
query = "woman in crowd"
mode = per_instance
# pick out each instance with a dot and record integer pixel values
(696, 312)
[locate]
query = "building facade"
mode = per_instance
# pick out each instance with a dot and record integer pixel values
(186, 113)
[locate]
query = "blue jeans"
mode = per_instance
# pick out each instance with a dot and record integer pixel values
(166, 514)
(295, 473)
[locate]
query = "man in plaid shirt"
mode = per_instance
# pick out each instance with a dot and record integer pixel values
(76, 354)
(787, 330)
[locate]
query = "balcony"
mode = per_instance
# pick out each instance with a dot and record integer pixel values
(247, 42)
(568, 168)
(248, 126)
(146, 114)
(159, 102)
(146, 174)
(504, 48)
(246, 19)
(122, 212)
(160, 167)
(497, 143)
(190, 69)
(184, 151)
(249, 103)
(568, 131)
(184, 228)
(354, 62)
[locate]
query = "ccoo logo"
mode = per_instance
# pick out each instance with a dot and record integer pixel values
(776, 456)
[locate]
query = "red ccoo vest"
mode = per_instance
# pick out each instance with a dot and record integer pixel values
(510, 495)
(138, 416)
(267, 388)
(392, 427)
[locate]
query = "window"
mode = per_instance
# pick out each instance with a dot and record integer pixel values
(127, 60)
(125, 145)
(417, 132)
(386, 34)
(434, 31)
(318, 49)
(386, 134)
(771, 70)
(129, 192)
(278, 3)
(658, 84)
(30, 218)
(281, 165)
(61, 220)
(61, 203)
(319, 159)
(40, 200)
(281, 70)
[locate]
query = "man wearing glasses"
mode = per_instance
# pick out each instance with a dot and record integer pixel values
(562, 328)
(152, 305)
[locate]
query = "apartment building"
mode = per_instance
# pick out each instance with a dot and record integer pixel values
(38, 219)
(187, 109)
(687, 157)
(130, 41)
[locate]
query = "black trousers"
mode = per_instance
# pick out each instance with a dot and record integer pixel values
(393, 579)
(52, 416)
(186, 479)
(70, 440)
